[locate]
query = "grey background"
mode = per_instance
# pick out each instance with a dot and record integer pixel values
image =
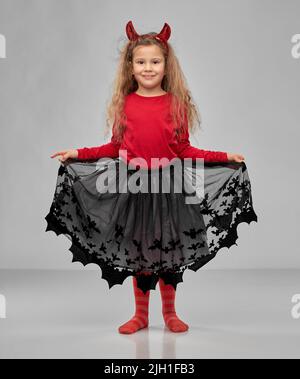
(57, 78)
(54, 85)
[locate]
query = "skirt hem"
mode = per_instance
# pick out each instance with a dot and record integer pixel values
(114, 276)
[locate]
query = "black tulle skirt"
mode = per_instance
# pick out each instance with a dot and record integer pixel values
(171, 219)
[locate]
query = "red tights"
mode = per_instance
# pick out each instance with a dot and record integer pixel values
(140, 319)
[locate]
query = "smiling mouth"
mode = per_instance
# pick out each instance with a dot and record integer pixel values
(148, 76)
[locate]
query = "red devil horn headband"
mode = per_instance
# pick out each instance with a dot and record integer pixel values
(162, 36)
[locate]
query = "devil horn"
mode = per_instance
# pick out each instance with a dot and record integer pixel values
(165, 32)
(130, 31)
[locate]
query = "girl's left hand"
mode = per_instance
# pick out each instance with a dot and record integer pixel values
(235, 158)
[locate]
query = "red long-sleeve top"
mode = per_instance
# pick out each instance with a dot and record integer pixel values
(149, 133)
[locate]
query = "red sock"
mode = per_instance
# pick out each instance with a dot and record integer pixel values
(168, 308)
(140, 319)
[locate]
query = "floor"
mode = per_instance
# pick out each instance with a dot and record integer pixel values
(73, 314)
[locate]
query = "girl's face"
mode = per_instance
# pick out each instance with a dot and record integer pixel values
(148, 67)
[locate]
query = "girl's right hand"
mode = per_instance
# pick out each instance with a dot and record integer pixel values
(65, 154)
(235, 157)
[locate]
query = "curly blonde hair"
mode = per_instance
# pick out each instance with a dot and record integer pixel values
(174, 82)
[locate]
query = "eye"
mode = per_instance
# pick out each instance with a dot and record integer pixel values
(141, 62)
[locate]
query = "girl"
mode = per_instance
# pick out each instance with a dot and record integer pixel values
(151, 236)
